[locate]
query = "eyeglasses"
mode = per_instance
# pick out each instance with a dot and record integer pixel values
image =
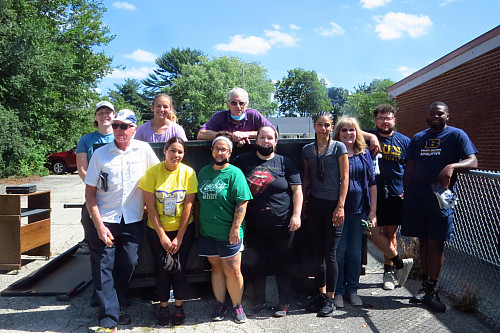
(345, 130)
(234, 103)
(222, 150)
(384, 118)
(121, 126)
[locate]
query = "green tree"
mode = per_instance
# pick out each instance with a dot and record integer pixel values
(364, 100)
(338, 97)
(201, 89)
(129, 96)
(169, 67)
(302, 94)
(48, 71)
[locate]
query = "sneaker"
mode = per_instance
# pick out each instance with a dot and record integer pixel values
(106, 330)
(256, 309)
(219, 312)
(432, 300)
(163, 316)
(124, 319)
(178, 316)
(327, 308)
(338, 301)
(403, 272)
(239, 314)
(316, 302)
(389, 281)
(355, 300)
(419, 296)
(281, 310)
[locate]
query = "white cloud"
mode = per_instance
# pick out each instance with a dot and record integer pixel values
(276, 26)
(251, 45)
(142, 56)
(323, 77)
(446, 2)
(294, 27)
(124, 5)
(281, 39)
(393, 25)
(406, 71)
(132, 73)
(373, 3)
(335, 30)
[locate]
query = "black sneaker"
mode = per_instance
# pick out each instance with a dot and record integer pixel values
(178, 316)
(163, 316)
(219, 312)
(327, 308)
(124, 319)
(256, 309)
(239, 315)
(434, 302)
(281, 310)
(316, 303)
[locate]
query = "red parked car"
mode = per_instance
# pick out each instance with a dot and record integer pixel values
(62, 162)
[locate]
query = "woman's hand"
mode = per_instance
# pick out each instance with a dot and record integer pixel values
(294, 223)
(372, 216)
(176, 244)
(338, 216)
(166, 243)
(234, 235)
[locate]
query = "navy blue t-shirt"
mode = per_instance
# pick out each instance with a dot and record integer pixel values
(392, 163)
(269, 182)
(433, 151)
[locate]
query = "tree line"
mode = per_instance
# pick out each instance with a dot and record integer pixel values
(49, 70)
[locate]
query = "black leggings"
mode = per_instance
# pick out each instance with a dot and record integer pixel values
(261, 245)
(324, 238)
(165, 280)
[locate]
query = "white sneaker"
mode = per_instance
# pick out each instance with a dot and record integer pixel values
(355, 300)
(389, 281)
(403, 272)
(338, 301)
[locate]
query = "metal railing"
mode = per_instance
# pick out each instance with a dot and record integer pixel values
(471, 270)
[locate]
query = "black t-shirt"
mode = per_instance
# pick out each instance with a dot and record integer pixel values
(269, 182)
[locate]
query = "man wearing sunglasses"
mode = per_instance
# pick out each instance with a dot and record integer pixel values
(116, 207)
(239, 122)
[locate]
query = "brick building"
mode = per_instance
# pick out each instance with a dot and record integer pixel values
(468, 81)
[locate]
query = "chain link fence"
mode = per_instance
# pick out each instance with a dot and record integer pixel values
(471, 273)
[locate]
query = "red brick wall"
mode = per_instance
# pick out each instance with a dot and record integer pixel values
(472, 93)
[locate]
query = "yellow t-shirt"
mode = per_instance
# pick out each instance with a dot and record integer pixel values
(170, 189)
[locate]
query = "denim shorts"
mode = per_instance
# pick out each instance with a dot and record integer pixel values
(209, 247)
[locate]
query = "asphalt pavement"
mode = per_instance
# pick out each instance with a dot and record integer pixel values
(383, 311)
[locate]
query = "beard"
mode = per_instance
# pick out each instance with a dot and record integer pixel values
(385, 131)
(436, 127)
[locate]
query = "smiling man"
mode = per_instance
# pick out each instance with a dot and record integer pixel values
(433, 158)
(116, 207)
(239, 122)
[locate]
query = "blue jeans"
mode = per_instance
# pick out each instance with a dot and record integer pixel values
(349, 255)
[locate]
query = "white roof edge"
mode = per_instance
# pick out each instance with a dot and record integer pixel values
(460, 59)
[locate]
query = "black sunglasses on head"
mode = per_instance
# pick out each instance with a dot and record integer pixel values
(121, 126)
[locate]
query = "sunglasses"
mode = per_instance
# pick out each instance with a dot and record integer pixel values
(345, 130)
(234, 103)
(121, 126)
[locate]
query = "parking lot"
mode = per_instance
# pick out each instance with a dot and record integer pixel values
(383, 311)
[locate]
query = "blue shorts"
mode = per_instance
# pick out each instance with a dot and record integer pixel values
(209, 247)
(422, 217)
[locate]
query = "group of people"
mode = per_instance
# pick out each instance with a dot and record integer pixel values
(262, 198)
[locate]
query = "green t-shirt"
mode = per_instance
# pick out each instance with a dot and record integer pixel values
(218, 193)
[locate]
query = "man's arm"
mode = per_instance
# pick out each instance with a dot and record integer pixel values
(374, 147)
(91, 203)
(81, 165)
(206, 134)
(470, 162)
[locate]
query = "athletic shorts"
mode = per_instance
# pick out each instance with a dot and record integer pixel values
(389, 211)
(209, 247)
(422, 217)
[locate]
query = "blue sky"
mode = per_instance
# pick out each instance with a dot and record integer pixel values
(346, 42)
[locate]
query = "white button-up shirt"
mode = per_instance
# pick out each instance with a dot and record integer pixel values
(125, 169)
